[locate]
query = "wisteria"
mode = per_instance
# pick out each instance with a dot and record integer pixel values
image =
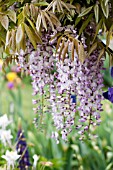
(57, 80)
(63, 107)
(89, 83)
(42, 72)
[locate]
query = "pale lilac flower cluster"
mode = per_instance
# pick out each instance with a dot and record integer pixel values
(41, 66)
(63, 109)
(89, 83)
(86, 81)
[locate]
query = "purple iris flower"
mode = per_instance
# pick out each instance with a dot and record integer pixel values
(111, 71)
(109, 94)
(21, 148)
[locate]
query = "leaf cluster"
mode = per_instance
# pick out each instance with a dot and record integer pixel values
(24, 20)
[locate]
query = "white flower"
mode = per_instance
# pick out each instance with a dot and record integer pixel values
(4, 122)
(36, 158)
(5, 137)
(10, 157)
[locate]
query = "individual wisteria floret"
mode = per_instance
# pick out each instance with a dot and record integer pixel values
(22, 149)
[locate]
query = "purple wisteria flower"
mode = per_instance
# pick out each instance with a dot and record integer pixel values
(41, 70)
(89, 83)
(109, 94)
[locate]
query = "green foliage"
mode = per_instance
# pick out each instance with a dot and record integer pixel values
(30, 17)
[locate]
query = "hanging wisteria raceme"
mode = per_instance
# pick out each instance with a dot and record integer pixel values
(89, 83)
(63, 107)
(42, 73)
(86, 81)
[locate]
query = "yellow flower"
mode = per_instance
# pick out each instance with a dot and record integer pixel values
(1, 62)
(11, 76)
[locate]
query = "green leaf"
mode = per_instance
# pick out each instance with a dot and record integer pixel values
(93, 47)
(4, 21)
(86, 11)
(78, 19)
(43, 20)
(31, 23)
(105, 8)
(26, 11)
(13, 40)
(12, 15)
(41, 4)
(96, 11)
(8, 37)
(38, 22)
(21, 18)
(81, 52)
(85, 23)
(48, 18)
(3, 36)
(31, 35)
(88, 1)
(19, 34)
(106, 1)
(98, 27)
(101, 54)
(108, 37)
(37, 36)
(65, 50)
(111, 60)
